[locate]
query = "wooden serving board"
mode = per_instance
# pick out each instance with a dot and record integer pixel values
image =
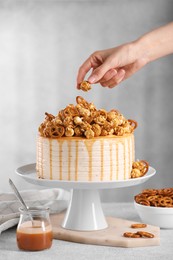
(111, 236)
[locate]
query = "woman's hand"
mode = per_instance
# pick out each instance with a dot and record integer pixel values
(112, 66)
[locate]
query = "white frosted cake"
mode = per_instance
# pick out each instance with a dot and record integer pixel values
(82, 143)
(79, 159)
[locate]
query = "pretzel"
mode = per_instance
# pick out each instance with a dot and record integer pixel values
(138, 225)
(81, 101)
(144, 202)
(83, 119)
(145, 167)
(131, 235)
(166, 191)
(165, 201)
(156, 197)
(138, 234)
(55, 132)
(150, 192)
(145, 234)
(133, 123)
(49, 116)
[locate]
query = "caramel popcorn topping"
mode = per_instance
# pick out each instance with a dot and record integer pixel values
(139, 168)
(85, 120)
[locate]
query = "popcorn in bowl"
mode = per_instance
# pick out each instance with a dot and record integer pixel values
(85, 120)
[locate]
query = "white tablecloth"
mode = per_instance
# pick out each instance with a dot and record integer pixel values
(72, 251)
(55, 199)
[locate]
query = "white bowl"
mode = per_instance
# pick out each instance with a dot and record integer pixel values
(157, 216)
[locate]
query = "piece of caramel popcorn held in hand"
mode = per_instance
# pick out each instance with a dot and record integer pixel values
(85, 86)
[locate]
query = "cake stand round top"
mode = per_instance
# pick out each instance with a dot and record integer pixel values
(28, 172)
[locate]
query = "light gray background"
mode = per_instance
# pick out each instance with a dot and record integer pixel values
(42, 45)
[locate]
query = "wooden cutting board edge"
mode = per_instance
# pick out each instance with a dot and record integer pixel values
(111, 236)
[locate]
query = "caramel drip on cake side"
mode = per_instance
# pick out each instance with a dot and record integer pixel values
(76, 162)
(89, 146)
(110, 146)
(60, 143)
(41, 158)
(124, 152)
(102, 160)
(50, 157)
(133, 151)
(69, 159)
(129, 156)
(117, 166)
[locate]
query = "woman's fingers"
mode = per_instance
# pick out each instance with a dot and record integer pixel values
(116, 79)
(126, 72)
(99, 73)
(86, 66)
(108, 76)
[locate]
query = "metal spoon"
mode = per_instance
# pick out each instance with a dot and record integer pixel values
(20, 198)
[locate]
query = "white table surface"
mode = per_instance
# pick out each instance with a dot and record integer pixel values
(68, 251)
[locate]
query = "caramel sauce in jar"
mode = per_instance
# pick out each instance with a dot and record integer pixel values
(34, 231)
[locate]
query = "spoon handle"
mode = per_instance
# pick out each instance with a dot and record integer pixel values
(17, 194)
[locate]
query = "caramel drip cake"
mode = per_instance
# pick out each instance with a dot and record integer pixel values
(74, 158)
(82, 143)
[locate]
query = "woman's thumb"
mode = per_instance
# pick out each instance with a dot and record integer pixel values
(98, 73)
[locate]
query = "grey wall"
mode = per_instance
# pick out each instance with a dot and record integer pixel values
(42, 44)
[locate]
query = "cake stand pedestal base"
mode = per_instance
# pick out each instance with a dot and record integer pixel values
(84, 211)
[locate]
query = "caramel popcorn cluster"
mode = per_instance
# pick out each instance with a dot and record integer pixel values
(85, 86)
(84, 120)
(139, 168)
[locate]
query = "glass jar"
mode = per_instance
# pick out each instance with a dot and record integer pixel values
(34, 230)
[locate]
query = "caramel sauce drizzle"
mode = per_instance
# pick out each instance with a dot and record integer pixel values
(41, 159)
(50, 149)
(69, 160)
(110, 145)
(60, 158)
(133, 151)
(89, 146)
(127, 147)
(117, 161)
(102, 160)
(124, 153)
(129, 158)
(76, 162)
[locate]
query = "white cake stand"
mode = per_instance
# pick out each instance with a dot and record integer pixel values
(84, 211)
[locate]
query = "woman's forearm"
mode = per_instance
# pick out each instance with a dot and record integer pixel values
(157, 43)
(111, 66)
